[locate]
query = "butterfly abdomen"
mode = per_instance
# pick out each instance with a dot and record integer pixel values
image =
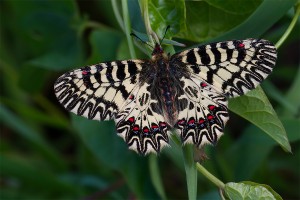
(166, 90)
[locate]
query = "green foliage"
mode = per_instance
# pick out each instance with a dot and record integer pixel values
(255, 107)
(167, 12)
(250, 190)
(216, 17)
(47, 153)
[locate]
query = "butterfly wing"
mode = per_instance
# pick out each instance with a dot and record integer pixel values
(112, 90)
(98, 92)
(217, 71)
(202, 112)
(233, 67)
(141, 122)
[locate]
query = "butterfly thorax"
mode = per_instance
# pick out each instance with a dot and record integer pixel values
(159, 74)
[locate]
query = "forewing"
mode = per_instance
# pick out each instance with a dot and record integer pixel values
(98, 91)
(232, 67)
(202, 112)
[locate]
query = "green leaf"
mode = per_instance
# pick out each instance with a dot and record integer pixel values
(292, 128)
(33, 137)
(256, 108)
(43, 27)
(264, 15)
(37, 77)
(104, 43)
(102, 140)
(277, 95)
(34, 177)
(205, 20)
(164, 13)
(235, 6)
(136, 173)
(136, 19)
(65, 55)
(123, 53)
(249, 190)
(248, 153)
(31, 113)
(175, 153)
(210, 195)
(156, 177)
(293, 96)
(253, 148)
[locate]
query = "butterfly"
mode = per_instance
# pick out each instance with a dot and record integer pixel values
(187, 92)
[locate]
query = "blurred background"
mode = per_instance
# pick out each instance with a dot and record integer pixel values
(48, 153)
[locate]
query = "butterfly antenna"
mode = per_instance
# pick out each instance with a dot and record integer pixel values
(134, 35)
(164, 34)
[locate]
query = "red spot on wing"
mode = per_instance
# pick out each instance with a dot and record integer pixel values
(145, 130)
(191, 121)
(84, 72)
(162, 124)
(136, 128)
(203, 84)
(154, 126)
(181, 122)
(201, 120)
(241, 45)
(209, 117)
(131, 97)
(211, 107)
(131, 119)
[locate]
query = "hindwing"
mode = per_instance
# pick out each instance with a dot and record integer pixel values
(141, 123)
(203, 115)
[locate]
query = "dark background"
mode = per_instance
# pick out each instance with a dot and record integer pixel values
(47, 153)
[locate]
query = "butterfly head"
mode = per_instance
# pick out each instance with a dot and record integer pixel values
(158, 50)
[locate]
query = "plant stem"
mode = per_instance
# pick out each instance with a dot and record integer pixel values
(96, 25)
(144, 8)
(290, 28)
(210, 177)
(156, 177)
(190, 170)
(117, 14)
(127, 28)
